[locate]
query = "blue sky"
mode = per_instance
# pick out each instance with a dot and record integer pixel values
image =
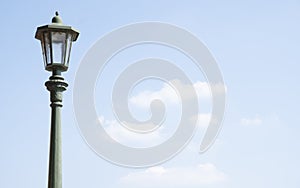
(256, 44)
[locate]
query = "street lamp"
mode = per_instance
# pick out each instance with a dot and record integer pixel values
(56, 40)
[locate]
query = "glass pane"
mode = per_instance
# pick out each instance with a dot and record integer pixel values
(68, 49)
(58, 47)
(44, 52)
(46, 45)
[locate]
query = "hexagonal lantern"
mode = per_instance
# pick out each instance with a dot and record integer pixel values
(56, 40)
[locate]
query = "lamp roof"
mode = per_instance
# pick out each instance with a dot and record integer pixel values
(58, 26)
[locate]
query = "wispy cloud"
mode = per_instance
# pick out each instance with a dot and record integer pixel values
(255, 121)
(161, 177)
(203, 119)
(144, 98)
(169, 95)
(130, 138)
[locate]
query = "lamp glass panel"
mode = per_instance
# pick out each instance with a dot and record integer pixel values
(68, 48)
(46, 46)
(58, 47)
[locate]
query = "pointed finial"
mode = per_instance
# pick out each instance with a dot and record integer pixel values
(57, 19)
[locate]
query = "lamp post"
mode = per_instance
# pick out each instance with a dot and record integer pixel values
(56, 40)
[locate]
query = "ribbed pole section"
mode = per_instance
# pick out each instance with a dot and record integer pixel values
(56, 85)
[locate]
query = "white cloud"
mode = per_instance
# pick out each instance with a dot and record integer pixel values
(202, 174)
(169, 95)
(251, 121)
(127, 137)
(166, 94)
(203, 120)
(202, 89)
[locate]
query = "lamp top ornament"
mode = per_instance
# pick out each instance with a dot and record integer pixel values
(57, 19)
(56, 25)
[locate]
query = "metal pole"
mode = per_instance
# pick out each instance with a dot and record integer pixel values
(56, 85)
